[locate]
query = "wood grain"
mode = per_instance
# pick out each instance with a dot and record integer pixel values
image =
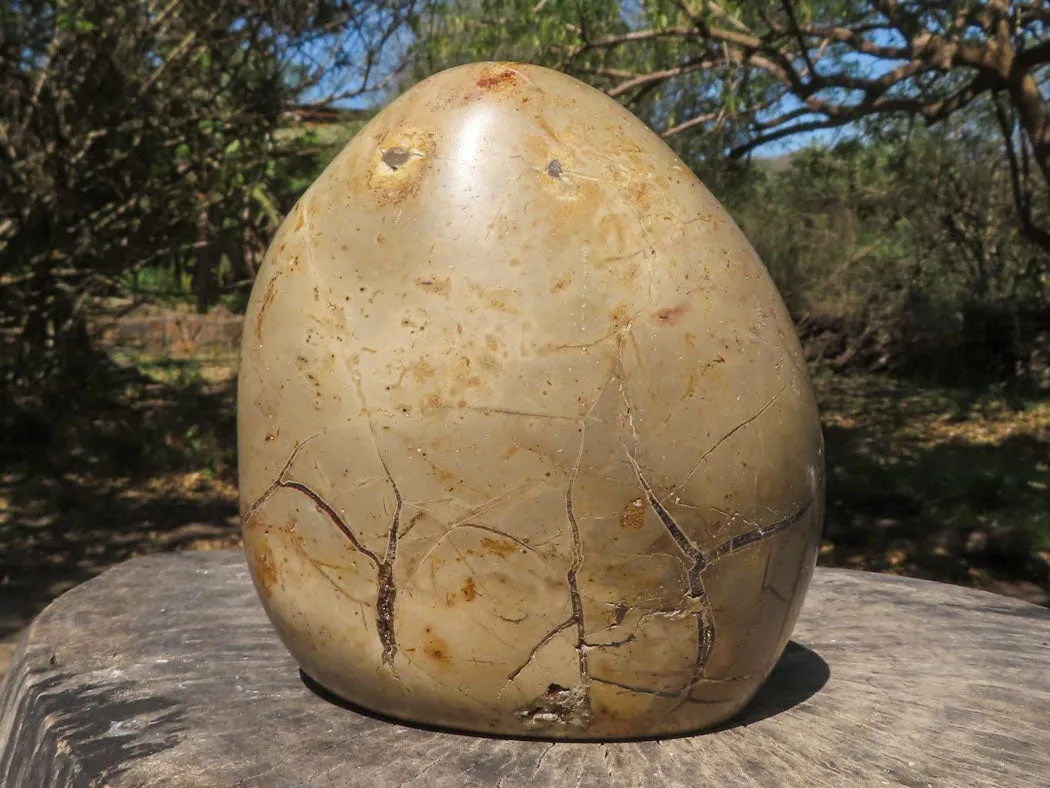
(165, 672)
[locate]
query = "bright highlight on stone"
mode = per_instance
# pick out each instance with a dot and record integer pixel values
(527, 444)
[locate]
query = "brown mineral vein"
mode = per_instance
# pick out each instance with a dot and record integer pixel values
(701, 559)
(575, 619)
(705, 625)
(331, 513)
(386, 592)
(685, 544)
(282, 482)
(571, 578)
(768, 587)
(757, 534)
(615, 643)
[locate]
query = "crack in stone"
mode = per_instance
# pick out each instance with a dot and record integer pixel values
(308, 226)
(524, 413)
(419, 515)
(503, 202)
(571, 578)
(329, 511)
(535, 650)
(282, 482)
(767, 587)
(386, 592)
(320, 567)
(620, 611)
(640, 690)
(723, 439)
(480, 509)
(561, 705)
(622, 379)
(581, 345)
(684, 543)
(784, 350)
(647, 253)
(705, 625)
(674, 695)
(757, 534)
(614, 644)
(386, 589)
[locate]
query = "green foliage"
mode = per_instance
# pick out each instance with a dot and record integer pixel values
(451, 33)
(139, 151)
(907, 249)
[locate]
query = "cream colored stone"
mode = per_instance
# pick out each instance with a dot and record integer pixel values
(527, 444)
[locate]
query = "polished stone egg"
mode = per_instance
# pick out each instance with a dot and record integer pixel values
(527, 444)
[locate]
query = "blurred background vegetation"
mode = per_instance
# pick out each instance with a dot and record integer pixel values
(888, 158)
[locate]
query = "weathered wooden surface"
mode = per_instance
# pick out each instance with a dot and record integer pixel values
(164, 671)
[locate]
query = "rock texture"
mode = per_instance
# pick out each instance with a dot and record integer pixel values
(165, 672)
(527, 444)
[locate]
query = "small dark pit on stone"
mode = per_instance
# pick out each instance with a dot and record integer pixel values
(396, 157)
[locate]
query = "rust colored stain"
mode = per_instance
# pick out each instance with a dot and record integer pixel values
(498, 547)
(672, 315)
(620, 316)
(436, 649)
(498, 78)
(470, 590)
(561, 283)
(262, 564)
(271, 292)
(633, 515)
(401, 160)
